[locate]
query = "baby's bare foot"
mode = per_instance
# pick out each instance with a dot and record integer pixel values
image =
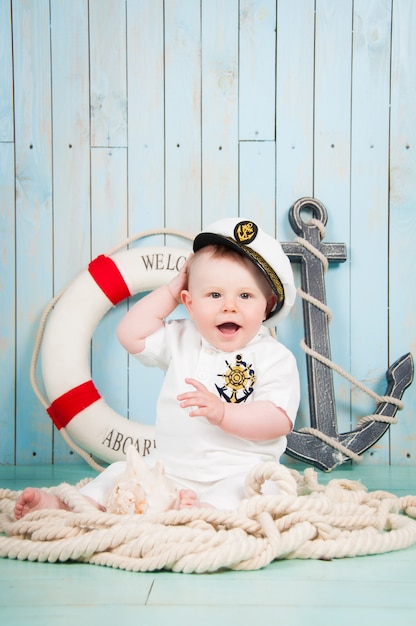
(33, 499)
(189, 499)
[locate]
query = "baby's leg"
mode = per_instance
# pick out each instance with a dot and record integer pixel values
(226, 494)
(97, 489)
(33, 499)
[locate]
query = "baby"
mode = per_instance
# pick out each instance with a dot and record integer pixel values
(231, 390)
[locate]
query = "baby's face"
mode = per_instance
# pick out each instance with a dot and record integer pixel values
(227, 298)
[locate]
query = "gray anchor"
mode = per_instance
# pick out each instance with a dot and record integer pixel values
(330, 449)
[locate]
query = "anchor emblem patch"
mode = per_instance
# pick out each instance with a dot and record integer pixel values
(245, 232)
(239, 381)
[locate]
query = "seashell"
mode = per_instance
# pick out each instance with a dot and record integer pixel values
(141, 488)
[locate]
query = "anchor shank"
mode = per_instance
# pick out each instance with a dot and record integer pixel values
(316, 325)
(320, 381)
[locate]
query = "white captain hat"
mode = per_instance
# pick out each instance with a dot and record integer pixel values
(263, 250)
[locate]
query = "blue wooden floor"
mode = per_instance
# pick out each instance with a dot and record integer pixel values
(370, 590)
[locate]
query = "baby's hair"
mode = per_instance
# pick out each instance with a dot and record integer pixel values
(219, 251)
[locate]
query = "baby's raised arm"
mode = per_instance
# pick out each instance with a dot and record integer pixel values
(149, 313)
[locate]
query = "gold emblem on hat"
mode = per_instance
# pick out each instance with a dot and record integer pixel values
(245, 232)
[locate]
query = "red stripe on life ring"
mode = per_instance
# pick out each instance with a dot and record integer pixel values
(64, 408)
(107, 276)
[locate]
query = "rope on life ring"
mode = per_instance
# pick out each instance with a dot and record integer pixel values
(84, 419)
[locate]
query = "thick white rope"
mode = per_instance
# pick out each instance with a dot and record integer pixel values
(307, 520)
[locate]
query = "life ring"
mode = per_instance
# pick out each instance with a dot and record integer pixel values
(74, 403)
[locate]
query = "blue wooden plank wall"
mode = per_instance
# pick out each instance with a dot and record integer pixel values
(118, 116)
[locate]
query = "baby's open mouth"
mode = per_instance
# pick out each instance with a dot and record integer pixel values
(228, 328)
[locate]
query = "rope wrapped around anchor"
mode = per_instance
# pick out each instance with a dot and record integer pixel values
(305, 521)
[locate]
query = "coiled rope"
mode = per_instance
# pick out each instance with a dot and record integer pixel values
(306, 521)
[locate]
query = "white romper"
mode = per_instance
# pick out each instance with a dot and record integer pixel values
(196, 454)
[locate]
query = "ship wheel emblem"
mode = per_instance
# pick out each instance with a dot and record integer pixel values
(239, 381)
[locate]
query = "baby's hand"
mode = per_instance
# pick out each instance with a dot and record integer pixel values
(179, 283)
(207, 404)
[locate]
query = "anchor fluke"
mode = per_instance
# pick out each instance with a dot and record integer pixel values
(309, 448)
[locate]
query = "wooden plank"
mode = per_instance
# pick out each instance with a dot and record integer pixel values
(294, 147)
(146, 165)
(177, 615)
(6, 78)
(74, 583)
(369, 205)
(109, 228)
(7, 243)
(294, 107)
(183, 115)
(33, 215)
(146, 159)
(332, 174)
(71, 153)
(258, 183)
(146, 111)
(7, 305)
(257, 70)
(402, 253)
(210, 591)
(108, 72)
(220, 108)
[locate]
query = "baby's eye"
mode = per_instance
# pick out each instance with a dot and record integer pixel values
(245, 296)
(215, 294)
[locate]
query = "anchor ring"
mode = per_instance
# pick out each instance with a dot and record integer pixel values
(319, 213)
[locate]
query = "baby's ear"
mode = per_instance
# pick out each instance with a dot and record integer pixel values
(271, 303)
(186, 300)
